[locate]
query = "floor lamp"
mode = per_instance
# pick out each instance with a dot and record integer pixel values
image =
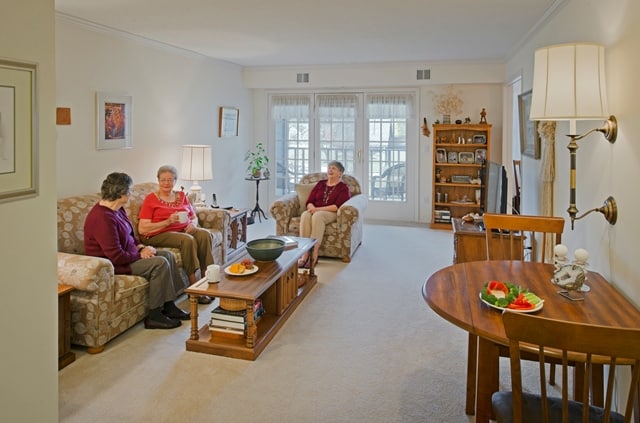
(196, 166)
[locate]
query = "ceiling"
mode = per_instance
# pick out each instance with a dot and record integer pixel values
(256, 33)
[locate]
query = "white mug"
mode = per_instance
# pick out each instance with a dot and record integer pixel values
(213, 273)
(183, 216)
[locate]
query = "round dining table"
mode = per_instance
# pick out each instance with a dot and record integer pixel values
(453, 293)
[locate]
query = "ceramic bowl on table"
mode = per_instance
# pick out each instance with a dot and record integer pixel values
(265, 249)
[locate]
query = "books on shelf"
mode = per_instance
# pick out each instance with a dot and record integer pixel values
(233, 321)
(289, 242)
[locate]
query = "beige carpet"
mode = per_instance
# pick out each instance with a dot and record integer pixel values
(362, 347)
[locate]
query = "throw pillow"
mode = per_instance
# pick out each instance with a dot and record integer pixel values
(303, 191)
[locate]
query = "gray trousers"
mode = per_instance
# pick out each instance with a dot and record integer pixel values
(159, 271)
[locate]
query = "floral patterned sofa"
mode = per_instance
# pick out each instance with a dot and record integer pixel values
(103, 304)
(342, 237)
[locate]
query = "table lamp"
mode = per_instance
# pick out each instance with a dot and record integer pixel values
(196, 166)
(569, 84)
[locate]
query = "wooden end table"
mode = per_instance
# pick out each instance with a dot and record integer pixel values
(275, 284)
(65, 356)
(237, 235)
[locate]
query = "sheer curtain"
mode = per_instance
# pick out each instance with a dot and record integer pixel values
(288, 107)
(390, 106)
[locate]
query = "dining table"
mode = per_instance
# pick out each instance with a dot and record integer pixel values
(453, 292)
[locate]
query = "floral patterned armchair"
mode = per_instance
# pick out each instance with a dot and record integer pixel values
(342, 237)
(103, 304)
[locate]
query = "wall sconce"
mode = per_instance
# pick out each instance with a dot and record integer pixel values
(196, 166)
(569, 84)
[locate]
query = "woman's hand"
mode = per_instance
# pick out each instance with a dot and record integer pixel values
(191, 228)
(147, 251)
(311, 208)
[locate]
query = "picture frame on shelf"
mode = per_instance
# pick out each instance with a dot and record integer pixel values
(18, 134)
(452, 157)
(481, 155)
(466, 157)
(228, 122)
(114, 120)
(529, 137)
(479, 139)
(441, 155)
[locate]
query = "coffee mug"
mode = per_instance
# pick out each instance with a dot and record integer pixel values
(183, 216)
(213, 273)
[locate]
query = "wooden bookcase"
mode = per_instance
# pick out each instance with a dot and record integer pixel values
(459, 155)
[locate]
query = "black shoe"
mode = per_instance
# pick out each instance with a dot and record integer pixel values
(163, 322)
(171, 310)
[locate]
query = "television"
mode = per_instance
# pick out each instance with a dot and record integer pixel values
(495, 195)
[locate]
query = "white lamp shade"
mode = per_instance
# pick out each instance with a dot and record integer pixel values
(569, 83)
(196, 163)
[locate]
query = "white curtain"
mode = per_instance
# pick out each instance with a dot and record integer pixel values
(290, 107)
(337, 106)
(394, 106)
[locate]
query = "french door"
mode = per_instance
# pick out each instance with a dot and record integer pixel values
(368, 133)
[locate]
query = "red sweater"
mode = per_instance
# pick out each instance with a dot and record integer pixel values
(156, 211)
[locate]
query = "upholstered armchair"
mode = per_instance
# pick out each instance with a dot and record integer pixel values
(342, 237)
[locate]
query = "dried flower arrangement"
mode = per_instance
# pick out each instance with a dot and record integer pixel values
(449, 102)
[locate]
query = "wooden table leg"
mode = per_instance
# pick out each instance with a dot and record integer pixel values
(488, 378)
(193, 307)
(472, 368)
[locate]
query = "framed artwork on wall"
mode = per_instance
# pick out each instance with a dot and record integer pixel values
(529, 137)
(228, 123)
(18, 135)
(114, 121)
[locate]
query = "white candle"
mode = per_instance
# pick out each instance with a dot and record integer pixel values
(581, 255)
(560, 250)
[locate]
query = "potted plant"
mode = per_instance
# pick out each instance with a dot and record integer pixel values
(257, 160)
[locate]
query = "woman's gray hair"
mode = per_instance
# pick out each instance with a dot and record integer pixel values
(168, 168)
(336, 164)
(115, 186)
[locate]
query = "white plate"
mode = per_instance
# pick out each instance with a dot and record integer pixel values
(246, 272)
(532, 310)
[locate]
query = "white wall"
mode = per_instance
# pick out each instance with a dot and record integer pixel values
(603, 169)
(176, 98)
(28, 316)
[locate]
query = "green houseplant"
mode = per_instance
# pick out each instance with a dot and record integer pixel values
(257, 160)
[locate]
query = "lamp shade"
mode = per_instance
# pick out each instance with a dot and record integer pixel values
(569, 83)
(196, 163)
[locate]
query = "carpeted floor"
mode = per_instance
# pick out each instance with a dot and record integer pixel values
(362, 347)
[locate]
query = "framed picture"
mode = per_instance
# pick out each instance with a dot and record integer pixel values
(441, 155)
(452, 157)
(529, 137)
(479, 139)
(228, 123)
(481, 155)
(113, 121)
(466, 157)
(18, 135)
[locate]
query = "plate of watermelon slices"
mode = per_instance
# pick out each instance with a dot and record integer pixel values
(507, 296)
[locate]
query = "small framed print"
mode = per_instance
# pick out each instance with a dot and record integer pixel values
(452, 157)
(479, 139)
(114, 117)
(466, 157)
(441, 155)
(481, 155)
(228, 122)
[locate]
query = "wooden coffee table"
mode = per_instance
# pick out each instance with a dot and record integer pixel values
(275, 283)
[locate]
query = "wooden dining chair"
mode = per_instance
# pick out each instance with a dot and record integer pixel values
(588, 345)
(513, 237)
(520, 237)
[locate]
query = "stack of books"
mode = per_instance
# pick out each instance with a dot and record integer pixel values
(233, 322)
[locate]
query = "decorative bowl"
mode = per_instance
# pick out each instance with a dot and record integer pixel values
(265, 249)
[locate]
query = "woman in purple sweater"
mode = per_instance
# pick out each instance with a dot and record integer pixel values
(108, 233)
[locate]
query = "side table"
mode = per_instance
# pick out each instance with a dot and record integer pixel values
(257, 210)
(237, 235)
(65, 356)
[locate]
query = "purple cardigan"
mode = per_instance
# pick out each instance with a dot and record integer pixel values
(109, 234)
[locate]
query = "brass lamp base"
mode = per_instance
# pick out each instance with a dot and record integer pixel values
(609, 210)
(610, 129)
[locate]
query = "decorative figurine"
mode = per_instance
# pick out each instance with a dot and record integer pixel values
(467, 120)
(483, 116)
(425, 128)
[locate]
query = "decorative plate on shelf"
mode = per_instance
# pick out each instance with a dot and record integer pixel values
(246, 272)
